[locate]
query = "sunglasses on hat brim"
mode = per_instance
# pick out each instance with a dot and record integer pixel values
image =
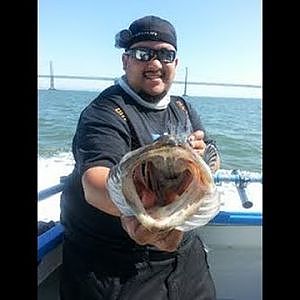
(146, 54)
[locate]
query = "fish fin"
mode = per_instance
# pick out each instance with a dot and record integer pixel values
(211, 157)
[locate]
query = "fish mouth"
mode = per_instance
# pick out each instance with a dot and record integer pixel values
(159, 180)
(165, 183)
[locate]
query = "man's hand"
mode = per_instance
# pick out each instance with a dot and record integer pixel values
(197, 142)
(166, 240)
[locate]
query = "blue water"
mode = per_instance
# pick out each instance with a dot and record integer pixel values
(235, 123)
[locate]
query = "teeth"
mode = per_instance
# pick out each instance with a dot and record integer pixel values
(152, 76)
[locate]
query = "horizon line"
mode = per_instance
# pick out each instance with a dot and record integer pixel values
(104, 78)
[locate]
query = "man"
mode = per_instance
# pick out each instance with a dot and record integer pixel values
(106, 255)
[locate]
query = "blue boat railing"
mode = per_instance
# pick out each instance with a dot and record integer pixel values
(240, 178)
(46, 193)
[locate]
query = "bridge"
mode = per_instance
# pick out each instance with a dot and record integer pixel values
(113, 79)
(52, 77)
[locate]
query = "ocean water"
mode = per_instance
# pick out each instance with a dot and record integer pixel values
(235, 124)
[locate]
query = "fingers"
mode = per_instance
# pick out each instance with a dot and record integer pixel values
(138, 232)
(197, 142)
(166, 240)
(197, 135)
(170, 242)
(129, 224)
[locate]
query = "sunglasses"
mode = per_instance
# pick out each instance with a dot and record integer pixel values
(147, 54)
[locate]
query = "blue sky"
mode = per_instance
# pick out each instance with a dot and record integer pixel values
(218, 41)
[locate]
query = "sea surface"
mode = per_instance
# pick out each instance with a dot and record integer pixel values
(235, 124)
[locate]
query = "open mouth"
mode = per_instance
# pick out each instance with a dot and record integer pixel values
(158, 182)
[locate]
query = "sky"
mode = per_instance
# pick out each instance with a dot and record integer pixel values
(218, 41)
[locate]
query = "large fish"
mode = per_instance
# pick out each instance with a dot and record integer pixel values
(167, 185)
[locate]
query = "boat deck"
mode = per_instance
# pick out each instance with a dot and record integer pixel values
(234, 257)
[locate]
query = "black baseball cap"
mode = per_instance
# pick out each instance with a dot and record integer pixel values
(149, 28)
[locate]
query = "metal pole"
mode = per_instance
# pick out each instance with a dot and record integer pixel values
(51, 77)
(185, 82)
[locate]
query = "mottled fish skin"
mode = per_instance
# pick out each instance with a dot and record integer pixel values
(211, 157)
(164, 183)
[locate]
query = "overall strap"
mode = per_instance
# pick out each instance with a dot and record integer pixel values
(138, 126)
(128, 112)
(181, 109)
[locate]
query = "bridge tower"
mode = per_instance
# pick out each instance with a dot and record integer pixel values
(51, 77)
(185, 82)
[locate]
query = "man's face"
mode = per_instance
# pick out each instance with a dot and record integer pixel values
(151, 77)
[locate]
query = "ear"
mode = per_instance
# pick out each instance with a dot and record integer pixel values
(176, 61)
(125, 61)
